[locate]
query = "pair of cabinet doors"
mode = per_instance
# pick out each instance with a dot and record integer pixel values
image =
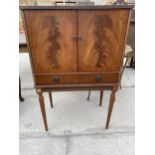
(64, 41)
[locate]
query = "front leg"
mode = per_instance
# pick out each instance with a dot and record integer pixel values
(111, 104)
(42, 107)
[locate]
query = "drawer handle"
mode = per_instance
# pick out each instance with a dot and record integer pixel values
(56, 79)
(77, 37)
(98, 78)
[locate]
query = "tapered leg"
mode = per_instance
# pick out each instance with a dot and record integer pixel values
(88, 97)
(111, 104)
(51, 100)
(20, 94)
(101, 96)
(42, 107)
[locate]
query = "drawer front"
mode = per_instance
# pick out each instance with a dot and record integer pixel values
(76, 79)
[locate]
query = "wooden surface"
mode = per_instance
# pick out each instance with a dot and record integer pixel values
(94, 7)
(54, 47)
(63, 42)
(76, 48)
(76, 79)
(42, 107)
(102, 39)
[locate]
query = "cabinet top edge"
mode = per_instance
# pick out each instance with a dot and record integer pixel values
(104, 7)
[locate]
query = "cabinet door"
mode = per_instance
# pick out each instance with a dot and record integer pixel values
(102, 34)
(50, 35)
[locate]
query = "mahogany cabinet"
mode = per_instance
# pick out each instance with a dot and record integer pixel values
(76, 47)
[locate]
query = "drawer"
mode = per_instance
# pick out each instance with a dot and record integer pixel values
(76, 79)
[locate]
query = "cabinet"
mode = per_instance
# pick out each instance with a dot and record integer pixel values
(76, 47)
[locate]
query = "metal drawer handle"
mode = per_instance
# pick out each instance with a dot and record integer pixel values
(56, 79)
(77, 37)
(98, 78)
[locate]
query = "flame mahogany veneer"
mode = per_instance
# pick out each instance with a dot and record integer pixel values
(76, 48)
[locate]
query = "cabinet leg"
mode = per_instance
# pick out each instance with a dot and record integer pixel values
(20, 94)
(88, 97)
(42, 107)
(101, 97)
(111, 104)
(50, 97)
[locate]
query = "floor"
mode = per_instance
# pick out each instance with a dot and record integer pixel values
(76, 126)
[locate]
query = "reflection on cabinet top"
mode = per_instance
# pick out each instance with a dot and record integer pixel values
(76, 7)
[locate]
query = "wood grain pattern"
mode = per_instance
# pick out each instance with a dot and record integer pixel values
(42, 107)
(52, 50)
(52, 25)
(102, 35)
(76, 79)
(67, 7)
(111, 104)
(76, 48)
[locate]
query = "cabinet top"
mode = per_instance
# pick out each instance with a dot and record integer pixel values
(76, 7)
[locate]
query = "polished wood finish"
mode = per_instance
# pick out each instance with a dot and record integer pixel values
(96, 7)
(42, 106)
(76, 79)
(76, 48)
(102, 36)
(111, 104)
(51, 46)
